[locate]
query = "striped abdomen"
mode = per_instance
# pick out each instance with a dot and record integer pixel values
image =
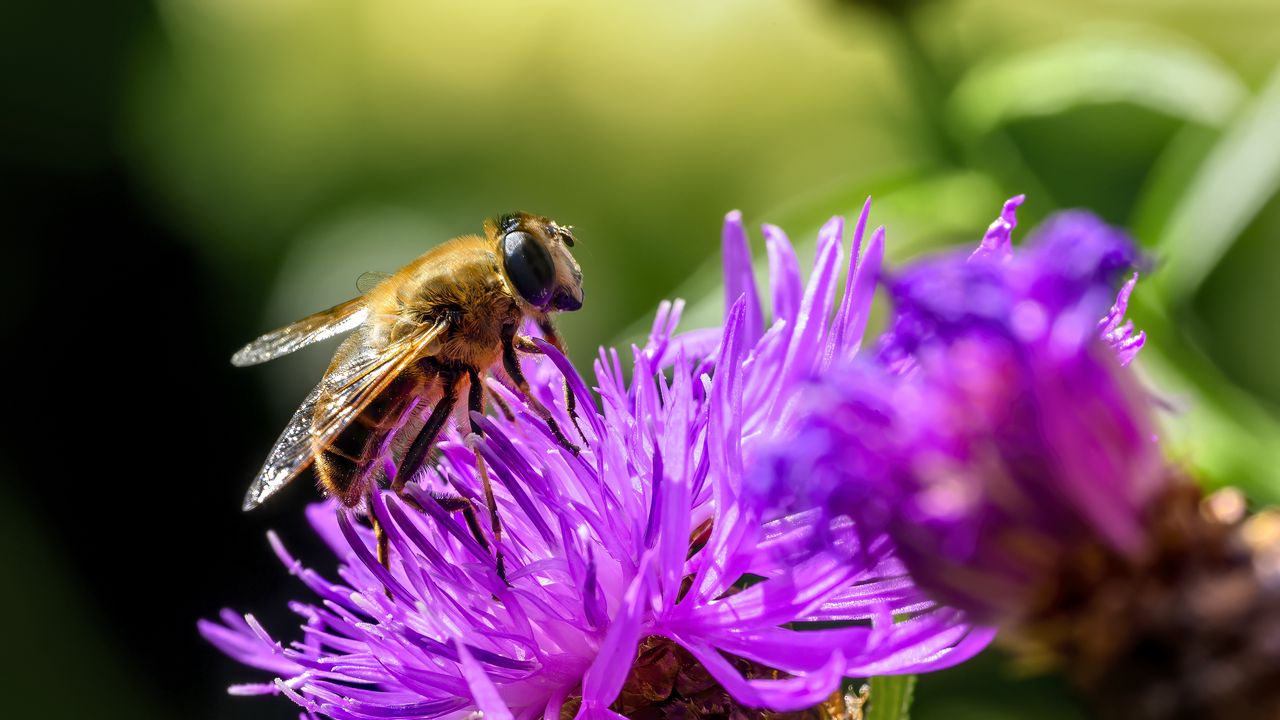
(351, 463)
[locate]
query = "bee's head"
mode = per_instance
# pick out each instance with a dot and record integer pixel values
(536, 260)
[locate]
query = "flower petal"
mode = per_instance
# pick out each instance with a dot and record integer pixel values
(486, 696)
(739, 274)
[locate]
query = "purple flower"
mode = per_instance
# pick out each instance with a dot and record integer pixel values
(1001, 442)
(641, 576)
(997, 431)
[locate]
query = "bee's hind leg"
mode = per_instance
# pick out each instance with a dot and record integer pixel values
(380, 538)
(384, 544)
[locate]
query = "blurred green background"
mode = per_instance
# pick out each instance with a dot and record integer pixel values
(273, 150)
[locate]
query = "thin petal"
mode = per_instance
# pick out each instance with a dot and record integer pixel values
(613, 662)
(848, 330)
(804, 350)
(996, 243)
(791, 694)
(739, 274)
(482, 689)
(784, 274)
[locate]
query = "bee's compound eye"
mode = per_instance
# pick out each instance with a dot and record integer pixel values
(529, 266)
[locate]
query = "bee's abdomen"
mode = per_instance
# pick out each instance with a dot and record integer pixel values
(350, 463)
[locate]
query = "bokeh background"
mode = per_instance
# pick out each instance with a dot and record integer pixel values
(180, 175)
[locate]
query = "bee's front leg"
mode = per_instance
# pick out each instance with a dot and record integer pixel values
(552, 336)
(511, 362)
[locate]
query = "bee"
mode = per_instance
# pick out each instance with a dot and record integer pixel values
(421, 341)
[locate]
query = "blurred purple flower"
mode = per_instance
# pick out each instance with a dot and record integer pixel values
(997, 429)
(1001, 442)
(640, 575)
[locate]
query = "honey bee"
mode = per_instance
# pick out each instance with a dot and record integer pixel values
(421, 339)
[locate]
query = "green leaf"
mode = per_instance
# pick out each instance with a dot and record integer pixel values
(1163, 190)
(1165, 73)
(1237, 178)
(891, 697)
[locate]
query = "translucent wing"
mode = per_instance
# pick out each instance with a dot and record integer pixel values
(361, 370)
(370, 280)
(313, 328)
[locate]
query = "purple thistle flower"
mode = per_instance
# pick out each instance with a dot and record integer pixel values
(1000, 441)
(641, 573)
(996, 429)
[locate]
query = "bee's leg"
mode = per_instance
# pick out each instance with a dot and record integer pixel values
(511, 362)
(451, 503)
(503, 407)
(380, 538)
(475, 404)
(552, 336)
(416, 455)
(455, 503)
(384, 544)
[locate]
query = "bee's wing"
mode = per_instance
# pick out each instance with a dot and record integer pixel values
(313, 328)
(370, 280)
(290, 455)
(352, 382)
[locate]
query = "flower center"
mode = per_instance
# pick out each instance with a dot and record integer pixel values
(666, 681)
